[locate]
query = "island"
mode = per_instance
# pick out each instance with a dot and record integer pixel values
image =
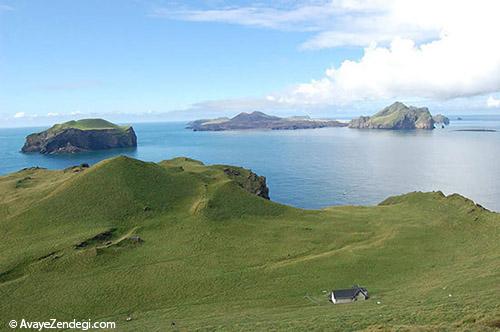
(396, 116)
(441, 119)
(259, 120)
(79, 136)
(186, 246)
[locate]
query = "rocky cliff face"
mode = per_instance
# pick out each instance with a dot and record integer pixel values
(249, 181)
(361, 122)
(73, 140)
(396, 116)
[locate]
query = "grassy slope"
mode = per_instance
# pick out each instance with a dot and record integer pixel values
(216, 257)
(87, 124)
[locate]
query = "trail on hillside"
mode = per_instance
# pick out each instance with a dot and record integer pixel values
(350, 247)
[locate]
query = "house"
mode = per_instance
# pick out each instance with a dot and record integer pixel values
(348, 295)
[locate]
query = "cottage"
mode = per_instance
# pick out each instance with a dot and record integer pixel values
(348, 295)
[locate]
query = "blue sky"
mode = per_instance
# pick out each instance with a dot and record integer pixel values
(143, 60)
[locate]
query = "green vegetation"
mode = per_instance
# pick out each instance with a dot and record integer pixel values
(87, 124)
(216, 257)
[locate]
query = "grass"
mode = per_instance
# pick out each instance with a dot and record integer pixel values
(215, 257)
(87, 124)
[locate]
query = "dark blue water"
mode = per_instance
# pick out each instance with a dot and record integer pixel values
(317, 168)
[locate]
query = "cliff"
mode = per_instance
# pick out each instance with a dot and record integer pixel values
(79, 136)
(396, 116)
(248, 180)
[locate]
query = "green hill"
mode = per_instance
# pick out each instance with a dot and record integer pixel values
(86, 124)
(183, 246)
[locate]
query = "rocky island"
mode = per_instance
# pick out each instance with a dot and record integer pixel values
(259, 120)
(440, 118)
(399, 116)
(79, 136)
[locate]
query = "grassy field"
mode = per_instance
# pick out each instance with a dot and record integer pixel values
(87, 124)
(215, 257)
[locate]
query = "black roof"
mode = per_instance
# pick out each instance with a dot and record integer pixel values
(349, 293)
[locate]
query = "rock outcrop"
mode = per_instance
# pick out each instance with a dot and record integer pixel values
(259, 120)
(396, 116)
(249, 181)
(79, 136)
(440, 118)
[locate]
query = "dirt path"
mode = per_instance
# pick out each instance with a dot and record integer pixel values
(350, 247)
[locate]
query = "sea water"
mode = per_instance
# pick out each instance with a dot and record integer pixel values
(319, 167)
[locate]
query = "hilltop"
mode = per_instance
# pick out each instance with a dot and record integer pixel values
(397, 116)
(185, 245)
(81, 135)
(259, 120)
(86, 124)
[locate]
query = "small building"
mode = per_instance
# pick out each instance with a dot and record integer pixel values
(348, 295)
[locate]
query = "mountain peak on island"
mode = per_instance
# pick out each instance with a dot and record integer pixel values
(254, 116)
(260, 120)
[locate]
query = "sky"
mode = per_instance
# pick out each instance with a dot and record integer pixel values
(153, 60)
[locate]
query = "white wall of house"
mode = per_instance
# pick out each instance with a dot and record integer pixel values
(337, 301)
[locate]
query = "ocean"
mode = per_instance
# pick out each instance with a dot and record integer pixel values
(319, 167)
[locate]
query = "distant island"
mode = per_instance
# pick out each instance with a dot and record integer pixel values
(400, 116)
(259, 120)
(79, 136)
(441, 119)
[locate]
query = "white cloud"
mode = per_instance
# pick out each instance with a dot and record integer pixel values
(493, 102)
(335, 22)
(301, 17)
(463, 61)
(433, 50)
(53, 114)
(19, 115)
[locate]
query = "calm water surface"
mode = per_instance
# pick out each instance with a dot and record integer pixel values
(317, 168)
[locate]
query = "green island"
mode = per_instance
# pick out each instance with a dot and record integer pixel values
(183, 246)
(80, 136)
